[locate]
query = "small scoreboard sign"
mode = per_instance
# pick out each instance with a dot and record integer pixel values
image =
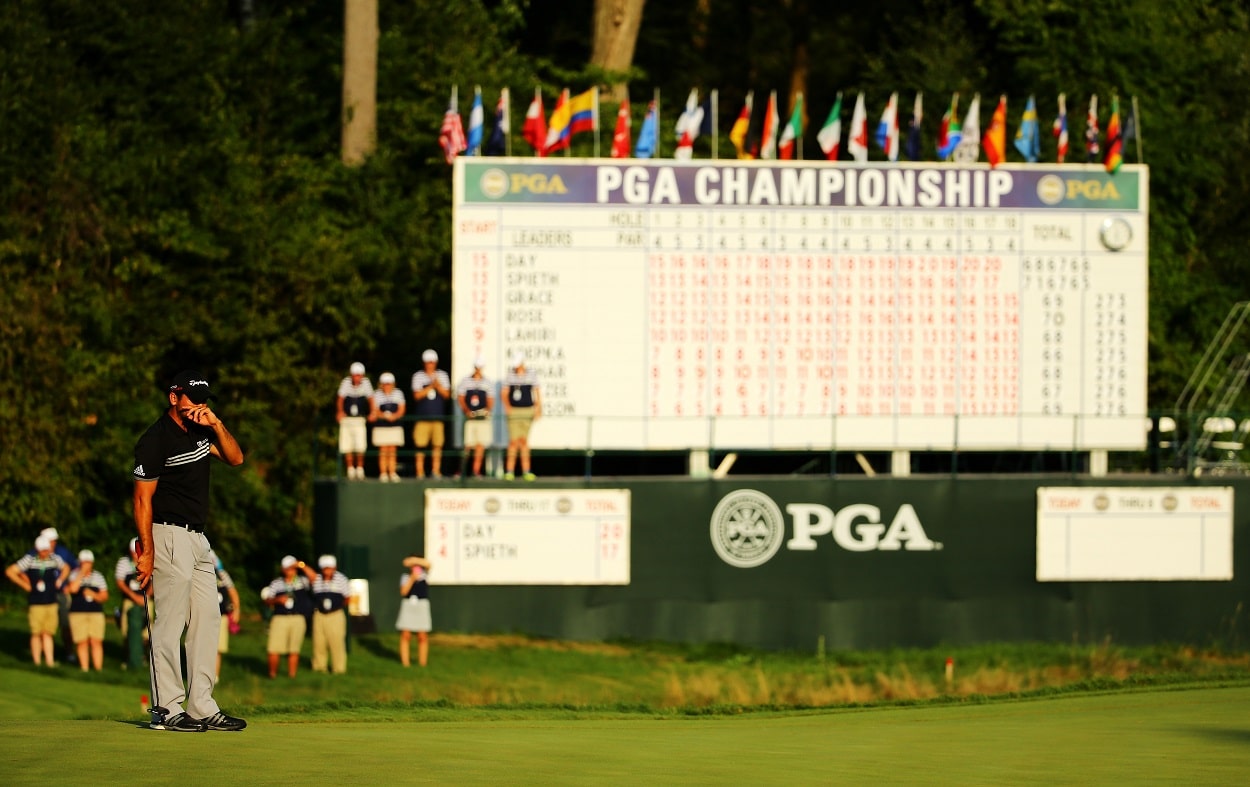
(530, 537)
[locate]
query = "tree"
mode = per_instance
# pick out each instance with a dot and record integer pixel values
(360, 79)
(616, 25)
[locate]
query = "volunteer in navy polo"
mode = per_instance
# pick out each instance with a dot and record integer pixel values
(41, 575)
(431, 388)
(473, 393)
(87, 591)
(171, 473)
(522, 406)
(290, 597)
(331, 590)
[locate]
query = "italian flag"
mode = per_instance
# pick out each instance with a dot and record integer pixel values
(793, 130)
(830, 135)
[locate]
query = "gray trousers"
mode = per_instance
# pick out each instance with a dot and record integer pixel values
(184, 584)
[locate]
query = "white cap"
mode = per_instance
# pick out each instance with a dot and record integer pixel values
(327, 561)
(43, 543)
(288, 561)
(357, 368)
(429, 355)
(134, 545)
(50, 533)
(86, 556)
(518, 359)
(386, 377)
(478, 363)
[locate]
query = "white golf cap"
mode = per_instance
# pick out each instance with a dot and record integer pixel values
(288, 561)
(43, 543)
(518, 359)
(358, 368)
(86, 556)
(386, 377)
(327, 561)
(50, 533)
(478, 363)
(429, 355)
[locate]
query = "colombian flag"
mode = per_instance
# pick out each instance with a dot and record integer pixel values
(584, 111)
(1115, 139)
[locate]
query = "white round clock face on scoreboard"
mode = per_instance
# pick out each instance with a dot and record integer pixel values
(810, 305)
(1115, 233)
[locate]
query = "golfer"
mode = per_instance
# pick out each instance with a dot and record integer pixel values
(171, 511)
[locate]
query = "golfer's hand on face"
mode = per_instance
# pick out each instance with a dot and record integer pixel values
(202, 415)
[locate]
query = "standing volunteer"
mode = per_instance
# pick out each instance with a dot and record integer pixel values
(171, 513)
(331, 590)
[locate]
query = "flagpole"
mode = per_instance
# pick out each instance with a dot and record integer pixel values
(538, 94)
(568, 149)
(477, 99)
(798, 141)
(658, 135)
(715, 124)
(596, 121)
(1137, 128)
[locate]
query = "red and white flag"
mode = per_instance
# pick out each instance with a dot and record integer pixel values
(857, 142)
(535, 129)
(620, 138)
(688, 126)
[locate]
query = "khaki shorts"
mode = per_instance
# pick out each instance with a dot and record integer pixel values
(353, 435)
(86, 626)
(286, 633)
(519, 422)
(42, 618)
(428, 433)
(223, 634)
(477, 431)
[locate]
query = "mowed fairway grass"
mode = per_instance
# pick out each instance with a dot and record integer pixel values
(514, 710)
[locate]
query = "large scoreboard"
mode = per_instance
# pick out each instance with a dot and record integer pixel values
(808, 305)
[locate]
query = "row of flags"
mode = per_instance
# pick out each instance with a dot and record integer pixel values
(956, 141)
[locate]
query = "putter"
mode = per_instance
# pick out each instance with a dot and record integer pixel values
(157, 711)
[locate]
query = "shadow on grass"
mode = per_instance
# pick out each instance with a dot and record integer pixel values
(374, 646)
(1220, 734)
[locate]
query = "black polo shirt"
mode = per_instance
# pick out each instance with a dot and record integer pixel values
(178, 459)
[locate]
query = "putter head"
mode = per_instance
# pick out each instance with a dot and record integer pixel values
(158, 715)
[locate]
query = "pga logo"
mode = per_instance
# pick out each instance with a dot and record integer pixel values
(748, 528)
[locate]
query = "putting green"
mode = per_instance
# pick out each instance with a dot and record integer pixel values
(1190, 735)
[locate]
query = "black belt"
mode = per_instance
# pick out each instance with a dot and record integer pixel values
(199, 529)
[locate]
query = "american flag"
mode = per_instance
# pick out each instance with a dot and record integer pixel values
(451, 135)
(1091, 130)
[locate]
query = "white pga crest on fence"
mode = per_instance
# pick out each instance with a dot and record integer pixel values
(747, 528)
